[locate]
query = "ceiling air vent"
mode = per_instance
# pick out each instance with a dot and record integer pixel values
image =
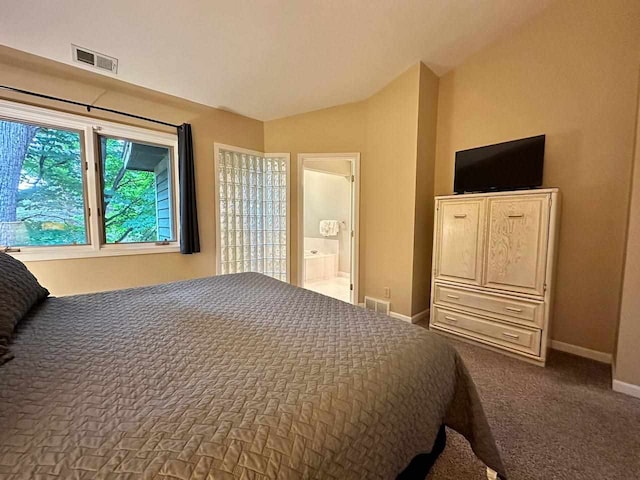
(94, 59)
(376, 305)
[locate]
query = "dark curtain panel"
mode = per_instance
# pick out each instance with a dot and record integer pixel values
(189, 234)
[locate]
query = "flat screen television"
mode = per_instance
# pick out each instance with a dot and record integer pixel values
(510, 165)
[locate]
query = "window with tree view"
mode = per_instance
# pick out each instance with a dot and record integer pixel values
(42, 200)
(136, 191)
(77, 186)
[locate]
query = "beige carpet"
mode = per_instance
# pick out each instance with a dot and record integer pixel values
(560, 422)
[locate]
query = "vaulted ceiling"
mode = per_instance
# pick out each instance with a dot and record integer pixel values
(263, 58)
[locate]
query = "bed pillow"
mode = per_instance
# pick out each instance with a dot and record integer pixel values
(19, 292)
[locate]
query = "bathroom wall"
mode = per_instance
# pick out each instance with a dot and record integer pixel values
(328, 197)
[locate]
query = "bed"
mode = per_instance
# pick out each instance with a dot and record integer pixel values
(235, 376)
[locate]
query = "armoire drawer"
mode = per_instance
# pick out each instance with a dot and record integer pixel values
(524, 312)
(487, 331)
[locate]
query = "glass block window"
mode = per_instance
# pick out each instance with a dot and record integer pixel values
(253, 213)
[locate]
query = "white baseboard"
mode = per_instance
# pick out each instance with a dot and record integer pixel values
(400, 316)
(626, 388)
(582, 352)
(413, 319)
(420, 316)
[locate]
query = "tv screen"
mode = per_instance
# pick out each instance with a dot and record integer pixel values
(504, 166)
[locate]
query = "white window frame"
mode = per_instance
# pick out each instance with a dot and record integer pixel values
(90, 128)
(216, 151)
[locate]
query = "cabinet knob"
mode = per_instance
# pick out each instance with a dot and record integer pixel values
(451, 319)
(460, 215)
(455, 297)
(510, 335)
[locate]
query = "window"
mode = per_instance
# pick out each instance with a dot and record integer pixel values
(252, 212)
(72, 186)
(42, 199)
(135, 191)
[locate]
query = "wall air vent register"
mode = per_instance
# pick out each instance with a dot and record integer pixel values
(93, 59)
(377, 305)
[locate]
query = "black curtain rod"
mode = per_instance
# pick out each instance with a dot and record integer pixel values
(87, 106)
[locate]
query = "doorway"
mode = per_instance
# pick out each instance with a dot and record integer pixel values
(328, 199)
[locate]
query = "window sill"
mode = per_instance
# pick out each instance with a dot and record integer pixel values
(68, 253)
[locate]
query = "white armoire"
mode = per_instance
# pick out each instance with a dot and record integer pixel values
(493, 269)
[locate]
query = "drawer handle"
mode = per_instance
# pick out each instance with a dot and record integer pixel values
(451, 319)
(455, 297)
(460, 215)
(510, 335)
(516, 215)
(513, 309)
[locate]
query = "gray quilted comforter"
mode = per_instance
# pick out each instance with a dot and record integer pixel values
(238, 376)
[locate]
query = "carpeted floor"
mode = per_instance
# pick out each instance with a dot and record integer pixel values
(554, 423)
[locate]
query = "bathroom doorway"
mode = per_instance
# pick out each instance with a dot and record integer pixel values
(328, 200)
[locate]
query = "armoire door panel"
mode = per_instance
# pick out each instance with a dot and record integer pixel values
(517, 243)
(461, 237)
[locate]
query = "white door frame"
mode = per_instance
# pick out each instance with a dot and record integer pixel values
(354, 158)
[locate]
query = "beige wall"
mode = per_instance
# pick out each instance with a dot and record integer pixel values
(572, 74)
(388, 188)
(628, 349)
(332, 130)
(424, 210)
(209, 125)
(384, 129)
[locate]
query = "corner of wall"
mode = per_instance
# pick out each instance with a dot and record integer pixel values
(424, 188)
(394, 130)
(626, 354)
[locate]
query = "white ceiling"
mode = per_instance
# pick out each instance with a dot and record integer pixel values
(263, 58)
